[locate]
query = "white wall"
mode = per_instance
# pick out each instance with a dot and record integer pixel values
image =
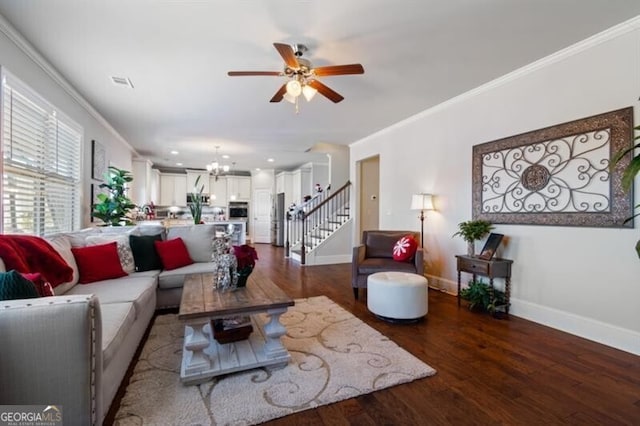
(24, 63)
(582, 280)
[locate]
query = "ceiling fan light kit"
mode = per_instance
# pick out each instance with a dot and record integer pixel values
(302, 76)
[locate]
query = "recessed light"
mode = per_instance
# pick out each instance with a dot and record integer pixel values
(174, 152)
(225, 156)
(178, 164)
(271, 160)
(257, 169)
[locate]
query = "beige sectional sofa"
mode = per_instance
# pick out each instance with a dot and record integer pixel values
(73, 349)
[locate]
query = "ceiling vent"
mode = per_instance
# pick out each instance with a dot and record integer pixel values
(122, 81)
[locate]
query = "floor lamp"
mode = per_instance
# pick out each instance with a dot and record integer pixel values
(422, 202)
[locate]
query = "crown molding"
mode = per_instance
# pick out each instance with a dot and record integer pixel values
(588, 43)
(28, 49)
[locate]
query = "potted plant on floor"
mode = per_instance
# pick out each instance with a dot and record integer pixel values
(483, 297)
(471, 231)
(630, 173)
(114, 205)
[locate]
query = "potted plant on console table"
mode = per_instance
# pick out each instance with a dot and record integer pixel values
(471, 231)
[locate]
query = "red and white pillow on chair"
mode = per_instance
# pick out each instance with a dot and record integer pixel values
(405, 248)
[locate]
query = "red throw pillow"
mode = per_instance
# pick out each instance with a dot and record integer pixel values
(43, 287)
(405, 248)
(97, 263)
(173, 253)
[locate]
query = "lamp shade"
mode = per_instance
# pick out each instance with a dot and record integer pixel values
(294, 88)
(422, 202)
(308, 92)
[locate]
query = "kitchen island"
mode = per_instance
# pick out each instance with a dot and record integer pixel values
(239, 236)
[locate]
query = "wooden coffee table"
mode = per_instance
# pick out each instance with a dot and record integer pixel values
(202, 356)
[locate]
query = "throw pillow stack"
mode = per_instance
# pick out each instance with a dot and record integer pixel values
(14, 285)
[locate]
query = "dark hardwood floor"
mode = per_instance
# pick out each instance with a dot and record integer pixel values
(489, 371)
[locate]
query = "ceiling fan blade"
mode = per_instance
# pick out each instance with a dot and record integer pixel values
(251, 73)
(279, 94)
(326, 91)
(339, 70)
(288, 55)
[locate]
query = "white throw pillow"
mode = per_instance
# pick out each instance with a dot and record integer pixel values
(62, 244)
(124, 249)
(197, 238)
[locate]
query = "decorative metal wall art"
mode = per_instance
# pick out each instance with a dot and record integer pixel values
(98, 161)
(559, 175)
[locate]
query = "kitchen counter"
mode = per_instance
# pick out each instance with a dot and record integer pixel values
(239, 236)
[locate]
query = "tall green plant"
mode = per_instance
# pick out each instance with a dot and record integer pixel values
(114, 205)
(196, 202)
(630, 173)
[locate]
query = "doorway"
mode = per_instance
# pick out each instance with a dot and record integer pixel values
(369, 188)
(262, 216)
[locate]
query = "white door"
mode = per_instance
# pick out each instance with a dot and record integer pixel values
(261, 216)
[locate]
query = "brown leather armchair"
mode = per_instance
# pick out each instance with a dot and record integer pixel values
(375, 254)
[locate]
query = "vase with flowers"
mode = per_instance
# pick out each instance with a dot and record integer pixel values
(246, 257)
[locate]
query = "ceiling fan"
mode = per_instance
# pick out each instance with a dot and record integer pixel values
(302, 75)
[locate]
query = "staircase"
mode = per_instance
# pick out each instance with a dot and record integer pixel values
(316, 222)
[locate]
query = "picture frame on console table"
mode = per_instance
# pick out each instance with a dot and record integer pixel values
(490, 247)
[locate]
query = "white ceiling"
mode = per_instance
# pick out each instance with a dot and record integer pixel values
(416, 54)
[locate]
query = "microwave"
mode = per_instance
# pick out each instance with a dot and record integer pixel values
(204, 199)
(238, 209)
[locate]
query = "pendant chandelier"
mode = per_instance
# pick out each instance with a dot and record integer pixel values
(215, 168)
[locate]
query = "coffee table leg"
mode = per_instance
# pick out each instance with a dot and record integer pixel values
(194, 360)
(273, 330)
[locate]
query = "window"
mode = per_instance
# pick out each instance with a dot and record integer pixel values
(41, 163)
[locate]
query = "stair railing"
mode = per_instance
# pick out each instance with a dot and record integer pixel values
(316, 217)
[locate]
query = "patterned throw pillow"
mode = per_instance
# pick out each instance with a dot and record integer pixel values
(405, 248)
(124, 249)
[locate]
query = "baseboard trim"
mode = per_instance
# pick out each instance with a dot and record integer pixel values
(328, 260)
(443, 285)
(607, 334)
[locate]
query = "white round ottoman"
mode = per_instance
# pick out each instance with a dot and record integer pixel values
(397, 295)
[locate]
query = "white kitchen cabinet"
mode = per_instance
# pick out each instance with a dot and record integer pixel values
(284, 183)
(140, 187)
(173, 190)
(219, 190)
(193, 175)
(239, 188)
(301, 185)
(154, 188)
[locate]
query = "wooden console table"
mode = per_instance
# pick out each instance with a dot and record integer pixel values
(496, 268)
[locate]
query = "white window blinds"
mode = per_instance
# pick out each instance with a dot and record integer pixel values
(41, 163)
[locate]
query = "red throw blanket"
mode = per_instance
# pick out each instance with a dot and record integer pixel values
(29, 254)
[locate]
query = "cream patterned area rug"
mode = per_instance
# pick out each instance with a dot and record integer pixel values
(335, 356)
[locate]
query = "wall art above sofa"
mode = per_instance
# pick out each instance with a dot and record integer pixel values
(559, 175)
